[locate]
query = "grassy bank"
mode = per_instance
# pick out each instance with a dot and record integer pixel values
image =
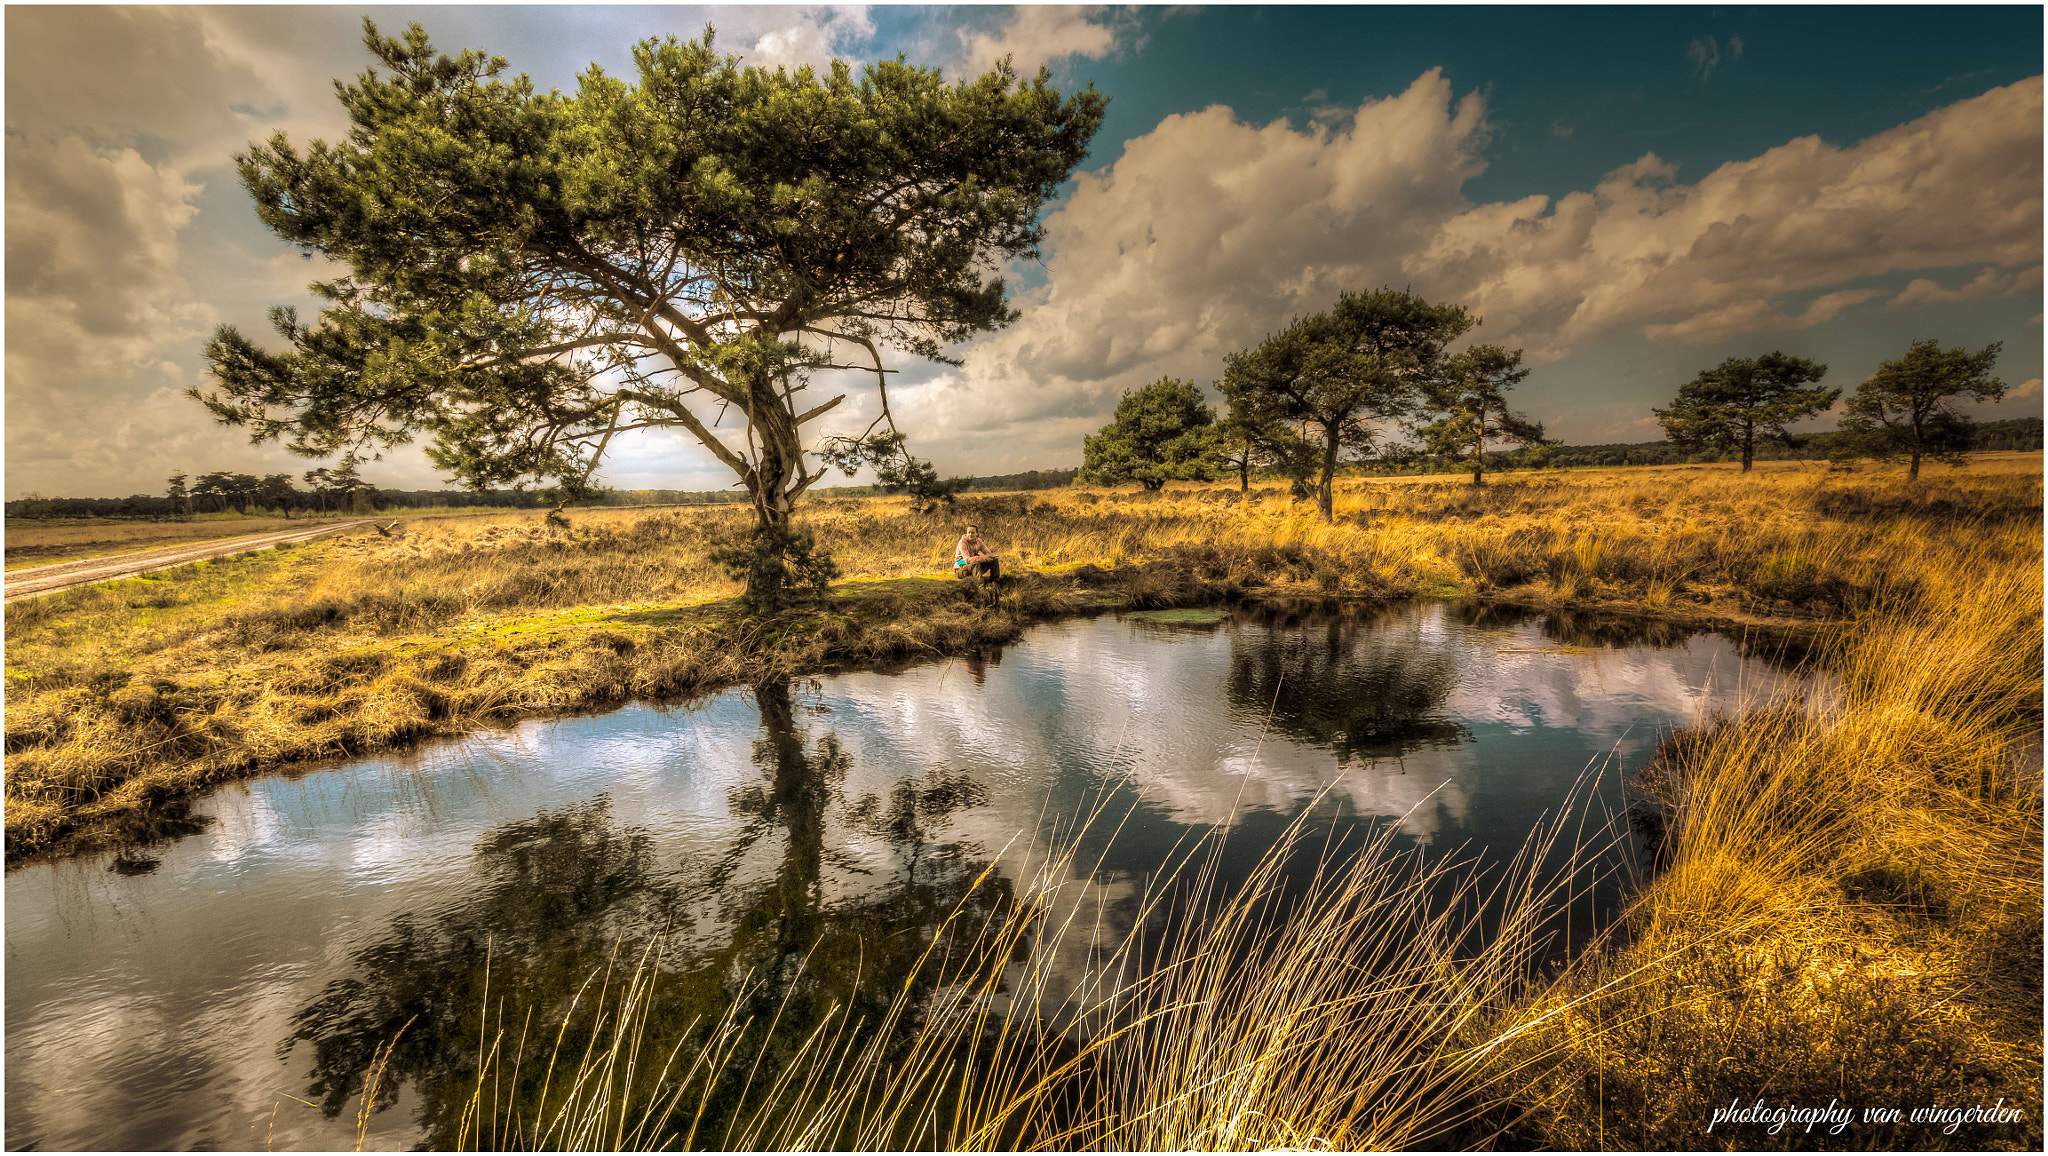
(1848, 910)
(124, 696)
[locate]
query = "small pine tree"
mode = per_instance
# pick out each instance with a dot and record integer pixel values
(1744, 400)
(1161, 433)
(179, 493)
(1907, 408)
(1470, 395)
(1247, 442)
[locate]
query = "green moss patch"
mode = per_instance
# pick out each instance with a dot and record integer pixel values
(1186, 616)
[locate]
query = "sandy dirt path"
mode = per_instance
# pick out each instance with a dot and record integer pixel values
(32, 580)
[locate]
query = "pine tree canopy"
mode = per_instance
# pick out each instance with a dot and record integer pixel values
(526, 275)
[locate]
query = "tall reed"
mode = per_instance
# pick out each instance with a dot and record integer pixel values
(1850, 906)
(1334, 998)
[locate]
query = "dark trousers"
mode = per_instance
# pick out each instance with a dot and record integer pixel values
(988, 570)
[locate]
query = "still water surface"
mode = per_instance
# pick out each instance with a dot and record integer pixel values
(231, 989)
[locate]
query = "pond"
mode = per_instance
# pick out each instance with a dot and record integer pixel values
(233, 988)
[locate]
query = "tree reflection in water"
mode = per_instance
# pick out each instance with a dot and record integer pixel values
(1346, 686)
(1578, 628)
(560, 895)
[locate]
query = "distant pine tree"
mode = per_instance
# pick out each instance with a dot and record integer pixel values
(1907, 409)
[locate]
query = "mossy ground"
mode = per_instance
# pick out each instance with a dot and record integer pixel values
(1187, 616)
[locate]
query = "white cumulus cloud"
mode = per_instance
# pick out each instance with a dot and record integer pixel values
(1039, 34)
(794, 37)
(94, 295)
(1991, 282)
(1209, 232)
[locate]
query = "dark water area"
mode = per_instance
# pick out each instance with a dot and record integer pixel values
(234, 987)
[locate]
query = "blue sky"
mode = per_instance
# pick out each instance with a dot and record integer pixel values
(1266, 158)
(1575, 92)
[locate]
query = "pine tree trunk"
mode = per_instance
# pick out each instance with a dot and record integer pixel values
(1913, 468)
(1479, 451)
(1326, 493)
(778, 466)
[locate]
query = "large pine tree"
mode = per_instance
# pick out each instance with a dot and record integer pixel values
(530, 274)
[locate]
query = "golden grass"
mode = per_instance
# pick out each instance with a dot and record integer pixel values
(123, 696)
(47, 541)
(1850, 910)
(44, 541)
(1848, 904)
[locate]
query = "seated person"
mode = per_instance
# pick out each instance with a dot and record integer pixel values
(971, 558)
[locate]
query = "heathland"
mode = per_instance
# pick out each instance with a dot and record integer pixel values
(45, 541)
(1847, 903)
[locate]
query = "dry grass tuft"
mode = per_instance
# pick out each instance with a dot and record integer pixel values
(1850, 904)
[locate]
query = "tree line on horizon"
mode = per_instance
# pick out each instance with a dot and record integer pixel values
(275, 493)
(1331, 389)
(2014, 433)
(339, 489)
